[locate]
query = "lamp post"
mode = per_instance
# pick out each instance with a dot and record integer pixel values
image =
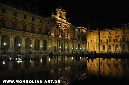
(19, 48)
(4, 48)
(80, 50)
(72, 50)
(30, 49)
(41, 49)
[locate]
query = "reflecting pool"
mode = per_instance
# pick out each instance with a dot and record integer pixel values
(69, 70)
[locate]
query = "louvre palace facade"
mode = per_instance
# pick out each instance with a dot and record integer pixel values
(115, 40)
(27, 32)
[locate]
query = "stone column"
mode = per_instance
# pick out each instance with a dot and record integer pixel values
(64, 46)
(48, 48)
(0, 44)
(23, 45)
(11, 44)
(32, 47)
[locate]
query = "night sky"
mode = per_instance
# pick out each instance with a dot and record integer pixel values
(105, 14)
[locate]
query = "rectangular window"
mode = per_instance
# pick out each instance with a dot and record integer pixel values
(100, 40)
(24, 27)
(78, 46)
(114, 40)
(103, 47)
(123, 39)
(32, 18)
(109, 39)
(24, 16)
(78, 30)
(32, 30)
(15, 14)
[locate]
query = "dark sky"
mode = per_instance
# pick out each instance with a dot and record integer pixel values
(104, 13)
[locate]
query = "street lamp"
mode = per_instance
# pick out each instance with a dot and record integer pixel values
(41, 49)
(19, 48)
(4, 48)
(72, 50)
(30, 49)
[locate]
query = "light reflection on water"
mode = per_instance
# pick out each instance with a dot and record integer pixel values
(65, 68)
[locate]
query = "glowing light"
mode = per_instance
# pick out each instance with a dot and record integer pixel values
(60, 47)
(30, 60)
(19, 44)
(41, 46)
(80, 48)
(19, 61)
(3, 62)
(49, 59)
(72, 58)
(80, 57)
(66, 47)
(49, 46)
(72, 48)
(76, 48)
(4, 43)
(10, 58)
(31, 45)
(41, 60)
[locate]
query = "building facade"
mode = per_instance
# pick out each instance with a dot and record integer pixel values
(27, 32)
(115, 40)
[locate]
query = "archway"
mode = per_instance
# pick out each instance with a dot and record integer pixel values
(27, 43)
(17, 41)
(5, 42)
(44, 45)
(37, 45)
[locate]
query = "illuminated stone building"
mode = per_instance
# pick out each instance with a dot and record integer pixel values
(115, 40)
(27, 32)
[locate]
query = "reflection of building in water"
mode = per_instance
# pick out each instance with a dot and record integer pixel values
(39, 34)
(39, 63)
(112, 67)
(115, 40)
